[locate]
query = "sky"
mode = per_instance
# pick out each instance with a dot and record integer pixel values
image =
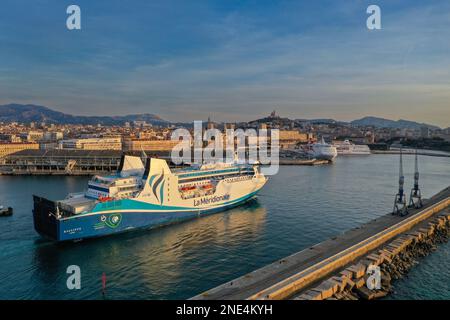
(230, 60)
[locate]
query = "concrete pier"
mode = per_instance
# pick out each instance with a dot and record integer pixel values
(420, 153)
(338, 265)
(300, 162)
(64, 162)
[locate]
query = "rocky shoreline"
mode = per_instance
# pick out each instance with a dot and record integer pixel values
(401, 264)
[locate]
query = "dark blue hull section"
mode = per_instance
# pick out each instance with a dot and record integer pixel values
(103, 224)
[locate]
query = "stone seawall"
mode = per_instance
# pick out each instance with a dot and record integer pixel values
(395, 259)
(337, 268)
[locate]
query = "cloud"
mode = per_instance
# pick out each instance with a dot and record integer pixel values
(238, 62)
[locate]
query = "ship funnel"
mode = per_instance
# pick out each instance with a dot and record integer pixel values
(154, 178)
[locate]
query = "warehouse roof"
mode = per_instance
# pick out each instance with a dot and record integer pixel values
(82, 153)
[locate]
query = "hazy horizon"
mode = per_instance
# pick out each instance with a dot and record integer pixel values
(233, 60)
(211, 115)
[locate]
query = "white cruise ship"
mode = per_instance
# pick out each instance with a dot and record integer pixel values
(321, 150)
(348, 148)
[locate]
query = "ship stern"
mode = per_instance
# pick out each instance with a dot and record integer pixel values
(44, 218)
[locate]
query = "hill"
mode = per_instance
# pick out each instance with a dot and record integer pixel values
(386, 123)
(33, 113)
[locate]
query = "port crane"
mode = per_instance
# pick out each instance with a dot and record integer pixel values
(400, 207)
(415, 198)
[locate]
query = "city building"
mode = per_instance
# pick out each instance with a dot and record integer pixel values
(34, 136)
(290, 138)
(92, 144)
(137, 144)
(210, 125)
(425, 132)
(13, 147)
(52, 136)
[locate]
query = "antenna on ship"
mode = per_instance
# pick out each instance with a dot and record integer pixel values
(144, 155)
(400, 198)
(415, 191)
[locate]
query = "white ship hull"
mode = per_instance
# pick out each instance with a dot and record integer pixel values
(347, 148)
(321, 151)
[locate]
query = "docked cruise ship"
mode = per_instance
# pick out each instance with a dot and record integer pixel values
(348, 148)
(147, 196)
(320, 150)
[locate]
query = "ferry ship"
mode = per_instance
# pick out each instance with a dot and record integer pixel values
(149, 196)
(348, 148)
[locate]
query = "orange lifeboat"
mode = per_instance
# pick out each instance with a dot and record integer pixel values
(104, 199)
(188, 188)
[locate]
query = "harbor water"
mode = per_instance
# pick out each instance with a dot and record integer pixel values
(299, 207)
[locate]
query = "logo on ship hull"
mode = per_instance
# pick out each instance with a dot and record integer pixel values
(113, 220)
(155, 182)
(210, 200)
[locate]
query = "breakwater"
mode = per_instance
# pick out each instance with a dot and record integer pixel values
(394, 260)
(430, 153)
(339, 265)
(301, 162)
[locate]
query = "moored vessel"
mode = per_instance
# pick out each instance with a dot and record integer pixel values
(320, 150)
(146, 197)
(5, 211)
(348, 148)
